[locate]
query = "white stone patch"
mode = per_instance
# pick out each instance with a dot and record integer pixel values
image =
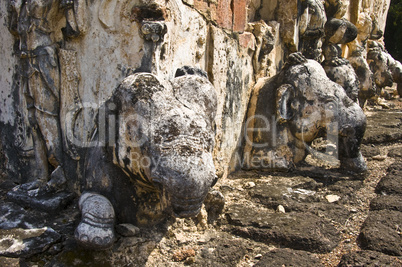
(332, 198)
(7, 63)
(280, 209)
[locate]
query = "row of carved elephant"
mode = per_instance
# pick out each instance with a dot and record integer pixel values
(162, 139)
(154, 153)
(165, 140)
(368, 69)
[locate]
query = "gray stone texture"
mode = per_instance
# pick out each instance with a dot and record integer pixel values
(48, 201)
(15, 216)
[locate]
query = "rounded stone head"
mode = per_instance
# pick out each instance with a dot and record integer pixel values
(309, 101)
(166, 136)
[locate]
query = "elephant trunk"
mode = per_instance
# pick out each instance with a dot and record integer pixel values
(186, 181)
(350, 139)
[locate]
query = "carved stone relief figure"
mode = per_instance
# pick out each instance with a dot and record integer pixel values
(35, 23)
(159, 156)
(336, 8)
(338, 69)
(265, 42)
(288, 111)
(311, 28)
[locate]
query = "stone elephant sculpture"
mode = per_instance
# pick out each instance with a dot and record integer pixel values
(386, 70)
(154, 152)
(299, 104)
(379, 63)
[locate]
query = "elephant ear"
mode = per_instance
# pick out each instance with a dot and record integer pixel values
(137, 86)
(195, 92)
(284, 98)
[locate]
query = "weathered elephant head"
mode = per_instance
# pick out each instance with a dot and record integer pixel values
(308, 101)
(165, 136)
(314, 106)
(306, 105)
(380, 64)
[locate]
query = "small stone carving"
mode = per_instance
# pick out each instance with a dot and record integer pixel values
(160, 140)
(339, 31)
(153, 30)
(153, 33)
(311, 28)
(290, 110)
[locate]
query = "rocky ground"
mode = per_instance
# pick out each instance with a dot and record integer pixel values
(314, 216)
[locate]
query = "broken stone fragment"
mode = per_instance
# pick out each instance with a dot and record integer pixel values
(44, 198)
(14, 216)
(214, 204)
(387, 202)
(391, 183)
(332, 198)
(19, 242)
(368, 258)
(249, 185)
(381, 232)
(280, 209)
(126, 229)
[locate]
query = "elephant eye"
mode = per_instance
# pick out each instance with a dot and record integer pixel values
(330, 106)
(295, 105)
